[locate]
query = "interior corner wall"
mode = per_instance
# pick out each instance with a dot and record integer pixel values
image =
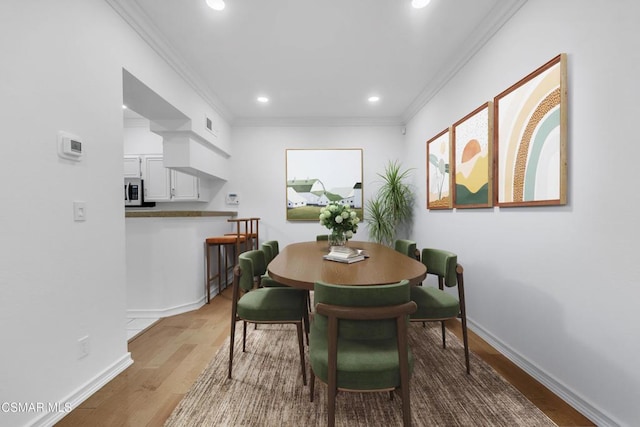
(259, 170)
(62, 280)
(555, 288)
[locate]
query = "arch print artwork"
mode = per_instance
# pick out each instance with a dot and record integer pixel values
(530, 137)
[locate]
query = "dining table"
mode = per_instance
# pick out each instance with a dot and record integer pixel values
(302, 264)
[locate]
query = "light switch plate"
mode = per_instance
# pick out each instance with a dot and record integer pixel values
(79, 211)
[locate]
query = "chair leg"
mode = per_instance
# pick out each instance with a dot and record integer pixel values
(207, 289)
(301, 346)
(403, 359)
(231, 342)
(406, 406)
(219, 268)
(312, 384)
(331, 407)
(465, 341)
(307, 326)
(444, 338)
(244, 336)
(463, 314)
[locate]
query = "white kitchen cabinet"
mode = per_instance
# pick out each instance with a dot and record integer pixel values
(132, 167)
(166, 185)
(184, 187)
(157, 179)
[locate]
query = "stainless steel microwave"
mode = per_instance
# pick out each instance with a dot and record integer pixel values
(133, 192)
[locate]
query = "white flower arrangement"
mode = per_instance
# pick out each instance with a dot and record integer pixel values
(339, 218)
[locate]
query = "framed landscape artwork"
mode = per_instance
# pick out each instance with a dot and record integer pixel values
(531, 138)
(317, 177)
(473, 159)
(439, 171)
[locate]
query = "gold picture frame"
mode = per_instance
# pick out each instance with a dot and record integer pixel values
(315, 177)
(530, 137)
(472, 138)
(439, 178)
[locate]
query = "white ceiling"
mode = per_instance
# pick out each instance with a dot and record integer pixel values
(316, 60)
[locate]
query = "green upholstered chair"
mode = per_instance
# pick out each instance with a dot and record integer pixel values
(434, 304)
(407, 247)
(322, 237)
(282, 305)
(358, 341)
(271, 250)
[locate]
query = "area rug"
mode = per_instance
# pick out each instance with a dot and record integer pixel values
(267, 389)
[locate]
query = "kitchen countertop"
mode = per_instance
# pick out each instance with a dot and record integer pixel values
(141, 213)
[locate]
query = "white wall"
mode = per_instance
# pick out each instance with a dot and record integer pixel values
(138, 139)
(556, 287)
(259, 171)
(165, 269)
(61, 280)
(552, 286)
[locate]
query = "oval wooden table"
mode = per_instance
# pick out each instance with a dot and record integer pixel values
(300, 265)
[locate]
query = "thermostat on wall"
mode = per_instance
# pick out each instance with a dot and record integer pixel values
(232, 199)
(69, 146)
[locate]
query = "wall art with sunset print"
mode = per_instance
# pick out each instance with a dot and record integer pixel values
(472, 152)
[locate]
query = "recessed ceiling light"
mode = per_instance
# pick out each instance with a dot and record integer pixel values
(419, 4)
(216, 4)
(373, 99)
(124, 107)
(263, 99)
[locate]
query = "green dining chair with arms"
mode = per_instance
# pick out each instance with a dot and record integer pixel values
(271, 250)
(407, 247)
(273, 247)
(437, 305)
(358, 341)
(279, 305)
(322, 237)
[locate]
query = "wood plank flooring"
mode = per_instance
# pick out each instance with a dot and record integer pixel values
(170, 355)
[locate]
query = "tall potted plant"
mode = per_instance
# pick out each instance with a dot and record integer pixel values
(392, 206)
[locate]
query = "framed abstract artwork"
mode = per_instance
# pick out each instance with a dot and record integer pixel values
(473, 159)
(531, 138)
(439, 171)
(317, 177)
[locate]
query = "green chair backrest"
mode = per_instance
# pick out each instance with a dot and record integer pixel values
(407, 247)
(361, 296)
(252, 264)
(271, 249)
(441, 263)
(322, 237)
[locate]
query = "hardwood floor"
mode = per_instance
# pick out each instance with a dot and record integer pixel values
(170, 355)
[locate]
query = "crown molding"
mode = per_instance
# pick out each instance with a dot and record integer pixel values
(317, 121)
(133, 15)
(495, 19)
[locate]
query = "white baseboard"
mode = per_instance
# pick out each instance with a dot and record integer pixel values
(85, 391)
(164, 312)
(581, 405)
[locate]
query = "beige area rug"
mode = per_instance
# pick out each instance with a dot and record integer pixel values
(267, 390)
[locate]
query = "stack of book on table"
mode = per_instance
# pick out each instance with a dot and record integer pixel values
(345, 254)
